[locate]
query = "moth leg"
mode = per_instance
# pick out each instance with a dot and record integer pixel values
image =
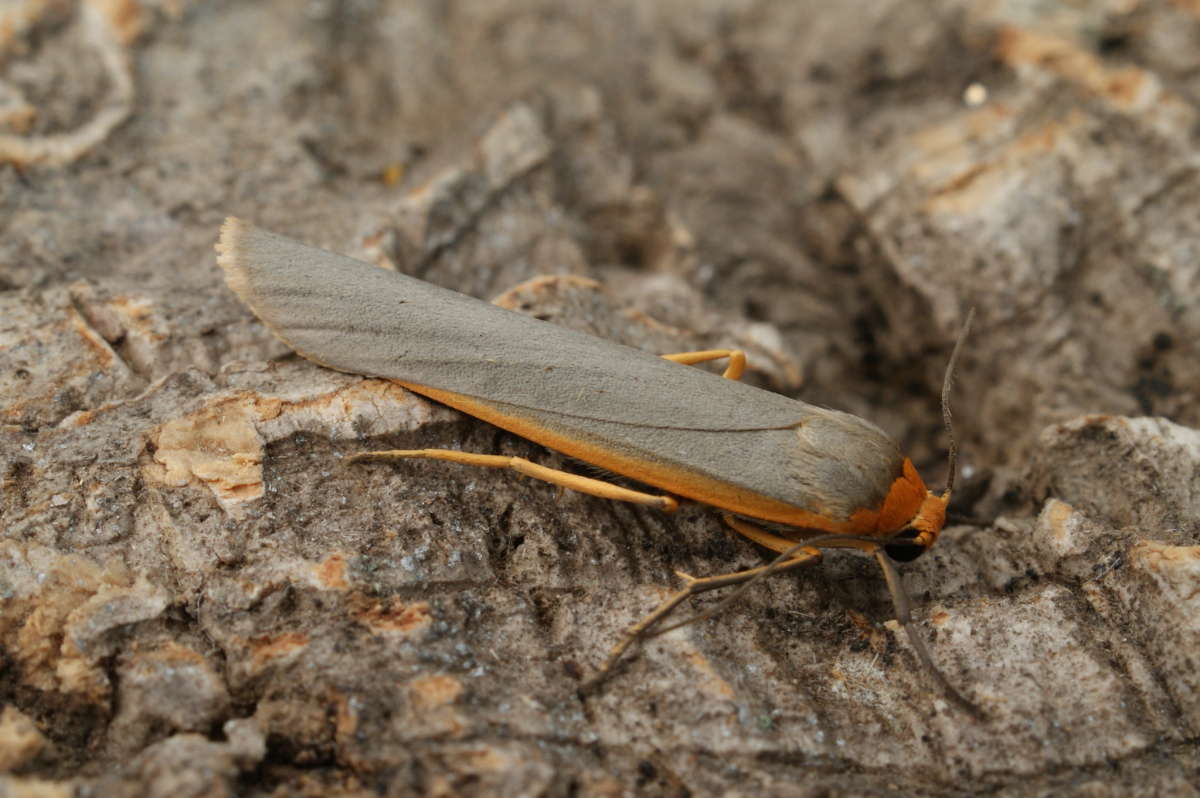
(694, 586)
(593, 487)
(759, 535)
(733, 371)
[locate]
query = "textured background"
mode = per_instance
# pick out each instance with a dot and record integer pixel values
(196, 598)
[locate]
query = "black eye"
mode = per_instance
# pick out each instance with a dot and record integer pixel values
(904, 552)
(902, 549)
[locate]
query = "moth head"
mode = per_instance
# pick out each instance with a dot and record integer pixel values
(919, 534)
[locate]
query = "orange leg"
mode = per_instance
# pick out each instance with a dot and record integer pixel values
(593, 487)
(762, 537)
(737, 360)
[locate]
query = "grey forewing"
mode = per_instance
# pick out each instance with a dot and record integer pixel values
(354, 317)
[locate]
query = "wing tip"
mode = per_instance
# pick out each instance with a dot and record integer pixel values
(242, 251)
(229, 247)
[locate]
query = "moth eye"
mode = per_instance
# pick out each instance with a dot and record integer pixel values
(901, 548)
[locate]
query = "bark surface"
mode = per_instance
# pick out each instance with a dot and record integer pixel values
(196, 598)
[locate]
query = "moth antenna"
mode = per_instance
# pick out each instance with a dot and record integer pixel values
(900, 602)
(947, 419)
(903, 608)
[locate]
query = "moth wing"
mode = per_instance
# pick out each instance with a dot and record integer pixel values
(355, 317)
